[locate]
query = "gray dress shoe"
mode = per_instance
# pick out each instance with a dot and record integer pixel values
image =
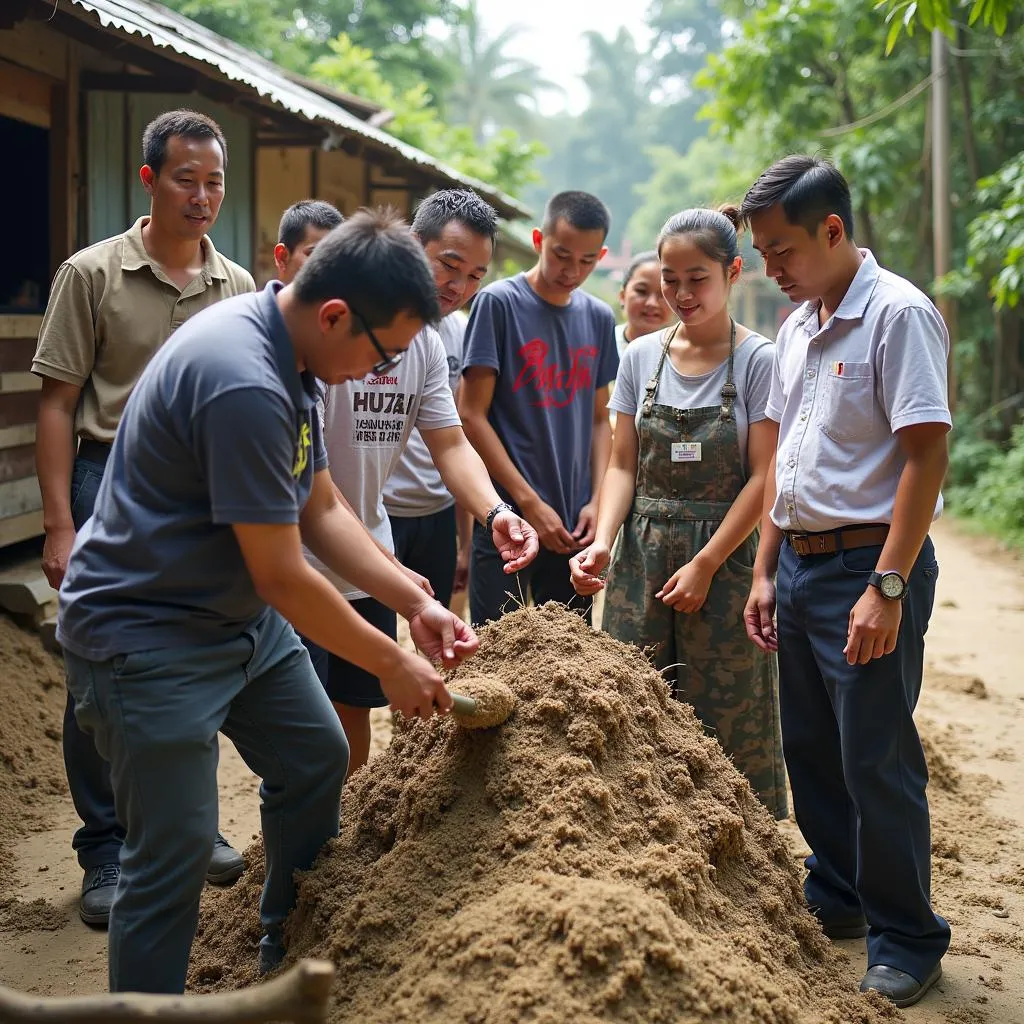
(98, 888)
(900, 988)
(226, 864)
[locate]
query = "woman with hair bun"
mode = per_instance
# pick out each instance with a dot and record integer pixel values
(643, 305)
(686, 485)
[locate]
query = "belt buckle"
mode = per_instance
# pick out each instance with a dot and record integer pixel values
(800, 543)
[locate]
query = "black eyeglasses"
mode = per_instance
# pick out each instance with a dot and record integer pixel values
(386, 362)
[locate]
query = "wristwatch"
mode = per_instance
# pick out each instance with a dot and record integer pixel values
(891, 585)
(502, 506)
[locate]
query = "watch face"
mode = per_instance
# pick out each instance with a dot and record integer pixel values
(892, 585)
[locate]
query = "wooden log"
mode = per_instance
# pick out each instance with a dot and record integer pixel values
(299, 996)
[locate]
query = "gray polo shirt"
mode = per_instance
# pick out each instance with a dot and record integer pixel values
(220, 429)
(841, 391)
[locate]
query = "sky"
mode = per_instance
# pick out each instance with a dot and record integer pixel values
(552, 37)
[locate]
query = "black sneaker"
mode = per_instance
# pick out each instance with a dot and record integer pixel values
(98, 888)
(226, 864)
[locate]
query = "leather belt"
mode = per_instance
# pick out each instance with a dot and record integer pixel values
(832, 541)
(94, 451)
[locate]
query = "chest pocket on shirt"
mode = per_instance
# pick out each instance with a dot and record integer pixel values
(848, 406)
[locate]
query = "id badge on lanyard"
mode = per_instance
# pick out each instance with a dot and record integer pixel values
(686, 451)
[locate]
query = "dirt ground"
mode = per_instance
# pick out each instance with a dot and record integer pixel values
(971, 716)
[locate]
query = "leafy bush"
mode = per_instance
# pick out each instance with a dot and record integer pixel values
(986, 483)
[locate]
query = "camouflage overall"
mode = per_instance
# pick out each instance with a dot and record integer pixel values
(732, 686)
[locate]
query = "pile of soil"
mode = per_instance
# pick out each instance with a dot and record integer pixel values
(596, 858)
(32, 696)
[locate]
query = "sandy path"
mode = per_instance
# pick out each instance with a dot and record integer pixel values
(972, 712)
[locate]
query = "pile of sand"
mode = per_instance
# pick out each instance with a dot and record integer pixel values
(32, 697)
(594, 859)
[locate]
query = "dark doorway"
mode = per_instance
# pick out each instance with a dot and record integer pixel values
(25, 181)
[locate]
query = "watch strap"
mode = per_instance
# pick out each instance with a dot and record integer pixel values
(502, 506)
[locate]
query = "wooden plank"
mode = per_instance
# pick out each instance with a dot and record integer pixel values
(17, 409)
(20, 325)
(17, 463)
(13, 437)
(20, 496)
(13, 383)
(16, 355)
(17, 528)
(24, 95)
(33, 45)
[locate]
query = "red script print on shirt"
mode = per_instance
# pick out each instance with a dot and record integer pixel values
(557, 387)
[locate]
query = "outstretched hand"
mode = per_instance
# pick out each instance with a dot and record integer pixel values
(516, 541)
(442, 636)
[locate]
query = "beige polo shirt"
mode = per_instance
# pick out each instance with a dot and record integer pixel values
(110, 310)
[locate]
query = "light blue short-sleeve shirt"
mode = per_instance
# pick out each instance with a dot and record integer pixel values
(841, 391)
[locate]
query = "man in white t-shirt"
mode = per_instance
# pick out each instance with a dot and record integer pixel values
(368, 425)
(432, 535)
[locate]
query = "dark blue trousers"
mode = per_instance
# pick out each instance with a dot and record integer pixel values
(854, 757)
(99, 839)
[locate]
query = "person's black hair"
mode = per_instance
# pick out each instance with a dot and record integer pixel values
(189, 124)
(580, 210)
(462, 205)
(376, 264)
(807, 187)
(639, 260)
(713, 231)
(306, 213)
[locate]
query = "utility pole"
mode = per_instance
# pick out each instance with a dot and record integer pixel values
(942, 207)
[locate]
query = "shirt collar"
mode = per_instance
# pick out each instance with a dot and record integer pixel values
(855, 301)
(135, 257)
(302, 387)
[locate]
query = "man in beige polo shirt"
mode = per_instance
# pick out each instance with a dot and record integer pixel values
(111, 308)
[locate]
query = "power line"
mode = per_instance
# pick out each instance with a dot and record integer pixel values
(880, 115)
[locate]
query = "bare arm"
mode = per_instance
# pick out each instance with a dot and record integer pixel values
(748, 508)
(600, 452)
(283, 578)
(333, 532)
(465, 475)
(759, 613)
(874, 623)
(55, 458)
(616, 497)
(475, 397)
(687, 588)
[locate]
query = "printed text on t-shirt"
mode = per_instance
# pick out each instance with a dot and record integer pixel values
(557, 387)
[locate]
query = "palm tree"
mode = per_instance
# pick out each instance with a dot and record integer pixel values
(492, 90)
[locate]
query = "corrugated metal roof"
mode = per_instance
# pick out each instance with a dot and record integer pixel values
(170, 30)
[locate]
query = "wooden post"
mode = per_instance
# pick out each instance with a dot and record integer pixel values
(942, 212)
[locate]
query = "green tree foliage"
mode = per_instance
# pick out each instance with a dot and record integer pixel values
(504, 159)
(945, 15)
(493, 90)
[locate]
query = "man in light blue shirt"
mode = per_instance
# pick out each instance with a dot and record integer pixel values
(859, 393)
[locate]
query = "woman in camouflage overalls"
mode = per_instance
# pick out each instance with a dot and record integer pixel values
(686, 486)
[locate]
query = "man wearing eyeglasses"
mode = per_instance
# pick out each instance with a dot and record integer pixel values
(175, 609)
(369, 425)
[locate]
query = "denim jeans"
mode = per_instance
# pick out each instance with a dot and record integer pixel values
(99, 839)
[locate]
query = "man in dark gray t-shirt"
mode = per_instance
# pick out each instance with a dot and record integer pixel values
(176, 607)
(540, 354)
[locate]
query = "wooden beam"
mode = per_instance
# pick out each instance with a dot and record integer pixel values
(16, 355)
(18, 408)
(96, 81)
(17, 463)
(17, 383)
(25, 95)
(20, 527)
(13, 437)
(20, 325)
(20, 496)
